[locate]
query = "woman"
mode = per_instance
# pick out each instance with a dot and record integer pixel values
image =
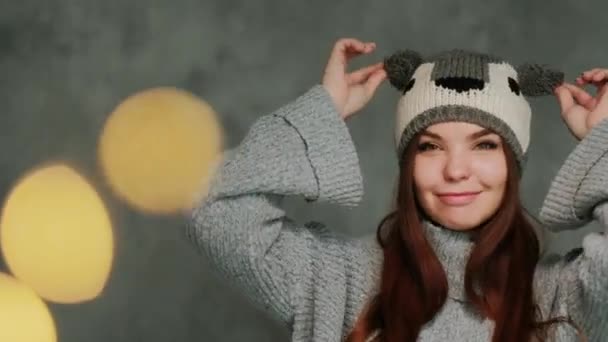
(456, 259)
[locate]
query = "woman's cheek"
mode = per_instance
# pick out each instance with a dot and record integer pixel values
(491, 169)
(427, 173)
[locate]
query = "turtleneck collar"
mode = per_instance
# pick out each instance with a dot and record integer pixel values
(453, 249)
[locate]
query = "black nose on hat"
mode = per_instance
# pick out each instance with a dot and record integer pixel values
(460, 84)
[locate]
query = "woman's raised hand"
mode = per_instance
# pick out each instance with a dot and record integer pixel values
(351, 91)
(580, 110)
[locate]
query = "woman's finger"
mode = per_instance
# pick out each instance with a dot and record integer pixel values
(597, 77)
(602, 99)
(590, 75)
(343, 51)
(351, 51)
(349, 47)
(362, 74)
(353, 42)
(565, 98)
(374, 81)
(602, 89)
(600, 75)
(581, 96)
(337, 59)
(587, 75)
(598, 84)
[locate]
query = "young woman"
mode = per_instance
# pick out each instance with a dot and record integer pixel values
(456, 259)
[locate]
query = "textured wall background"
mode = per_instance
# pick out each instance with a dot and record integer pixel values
(64, 64)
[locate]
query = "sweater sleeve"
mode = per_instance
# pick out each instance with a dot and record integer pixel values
(577, 196)
(303, 148)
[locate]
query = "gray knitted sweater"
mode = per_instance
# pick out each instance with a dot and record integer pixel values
(317, 281)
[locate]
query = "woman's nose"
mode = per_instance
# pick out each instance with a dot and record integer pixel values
(457, 167)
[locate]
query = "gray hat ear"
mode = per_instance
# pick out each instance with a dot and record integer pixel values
(538, 80)
(400, 67)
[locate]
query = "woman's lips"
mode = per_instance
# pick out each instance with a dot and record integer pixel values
(458, 198)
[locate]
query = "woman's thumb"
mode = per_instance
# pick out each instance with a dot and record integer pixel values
(565, 98)
(374, 81)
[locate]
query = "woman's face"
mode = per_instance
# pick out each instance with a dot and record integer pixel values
(460, 174)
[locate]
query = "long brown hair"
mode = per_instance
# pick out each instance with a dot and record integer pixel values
(413, 284)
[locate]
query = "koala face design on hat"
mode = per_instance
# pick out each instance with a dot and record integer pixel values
(460, 85)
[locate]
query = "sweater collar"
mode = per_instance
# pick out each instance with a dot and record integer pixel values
(452, 249)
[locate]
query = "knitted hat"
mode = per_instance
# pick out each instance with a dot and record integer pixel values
(467, 86)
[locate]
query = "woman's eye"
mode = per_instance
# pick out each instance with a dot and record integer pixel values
(487, 145)
(427, 147)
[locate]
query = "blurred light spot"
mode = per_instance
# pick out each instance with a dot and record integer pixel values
(24, 317)
(159, 148)
(56, 235)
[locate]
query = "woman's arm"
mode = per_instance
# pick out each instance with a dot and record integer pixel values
(579, 194)
(303, 148)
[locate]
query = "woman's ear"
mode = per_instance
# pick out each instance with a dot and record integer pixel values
(538, 80)
(400, 67)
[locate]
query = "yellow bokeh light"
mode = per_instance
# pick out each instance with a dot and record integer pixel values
(56, 235)
(157, 149)
(24, 317)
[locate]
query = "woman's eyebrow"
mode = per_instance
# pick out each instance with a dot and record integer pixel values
(472, 136)
(432, 135)
(480, 134)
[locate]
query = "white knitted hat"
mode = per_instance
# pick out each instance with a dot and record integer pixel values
(460, 85)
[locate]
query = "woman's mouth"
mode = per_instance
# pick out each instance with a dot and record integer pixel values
(458, 198)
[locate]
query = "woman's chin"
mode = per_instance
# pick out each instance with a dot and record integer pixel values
(459, 223)
(460, 218)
